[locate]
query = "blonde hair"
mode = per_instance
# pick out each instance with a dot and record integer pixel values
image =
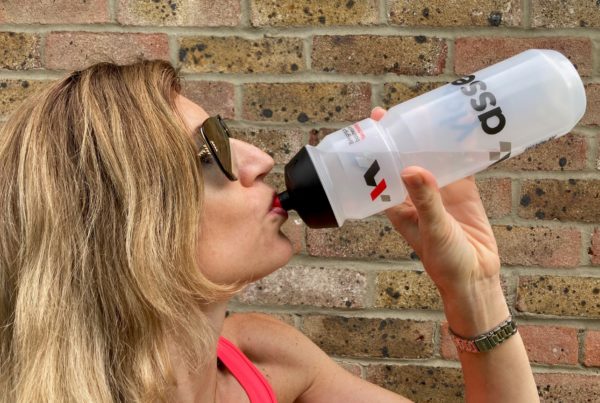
(100, 204)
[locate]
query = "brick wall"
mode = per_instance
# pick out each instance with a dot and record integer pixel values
(288, 72)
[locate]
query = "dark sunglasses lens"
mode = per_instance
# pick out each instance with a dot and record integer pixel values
(215, 133)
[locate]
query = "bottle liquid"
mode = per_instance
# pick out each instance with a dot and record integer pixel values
(453, 131)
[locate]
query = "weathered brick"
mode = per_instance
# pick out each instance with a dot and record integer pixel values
(370, 54)
(594, 250)
(13, 92)
(592, 349)
(54, 12)
(575, 200)
(232, 54)
(550, 344)
(463, 13)
(364, 337)
(567, 153)
(281, 144)
(562, 387)
(472, 54)
(217, 98)
(367, 239)
(419, 383)
(196, 13)
(396, 93)
(77, 50)
(592, 111)
(538, 246)
(406, 290)
(20, 51)
(306, 102)
(313, 12)
(314, 286)
(564, 14)
(563, 296)
(496, 195)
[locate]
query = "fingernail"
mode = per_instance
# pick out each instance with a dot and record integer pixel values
(412, 180)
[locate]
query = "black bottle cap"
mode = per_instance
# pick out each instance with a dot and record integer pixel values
(305, 193)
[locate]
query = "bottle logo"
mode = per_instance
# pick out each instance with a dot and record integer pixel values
(480, 102)
(380, 187)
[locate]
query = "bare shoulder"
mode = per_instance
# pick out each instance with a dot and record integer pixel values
(298, 370)
(287, 358)
(266, 339)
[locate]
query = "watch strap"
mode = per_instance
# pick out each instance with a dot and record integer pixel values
(486, 341)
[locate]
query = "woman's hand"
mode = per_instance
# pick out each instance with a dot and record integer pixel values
(449, 230)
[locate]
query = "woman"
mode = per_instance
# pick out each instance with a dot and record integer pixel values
(128, 220)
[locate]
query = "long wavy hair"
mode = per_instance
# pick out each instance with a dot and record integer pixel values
(100, 205)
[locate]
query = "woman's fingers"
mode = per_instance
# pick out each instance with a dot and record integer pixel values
(425, 196)
(377, 113)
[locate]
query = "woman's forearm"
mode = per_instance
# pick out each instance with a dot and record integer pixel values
(502, 374)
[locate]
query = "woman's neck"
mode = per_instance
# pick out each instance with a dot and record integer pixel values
(200, 386)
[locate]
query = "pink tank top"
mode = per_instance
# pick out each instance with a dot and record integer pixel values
(254, 383)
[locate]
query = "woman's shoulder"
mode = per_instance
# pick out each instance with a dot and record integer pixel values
(286, 357)
(263, 337)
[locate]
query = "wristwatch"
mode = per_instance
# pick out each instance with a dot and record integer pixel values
(487, 341)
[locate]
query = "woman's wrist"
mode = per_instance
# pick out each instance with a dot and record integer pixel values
(475, 309)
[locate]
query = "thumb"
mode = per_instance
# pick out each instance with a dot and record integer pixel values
(425, 195)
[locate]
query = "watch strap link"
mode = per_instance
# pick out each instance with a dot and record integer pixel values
(486, 341)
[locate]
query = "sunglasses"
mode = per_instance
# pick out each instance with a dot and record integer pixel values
(215, 140)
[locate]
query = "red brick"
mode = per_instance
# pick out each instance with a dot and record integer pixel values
(496, 195)
(567, 153)
(370, 54)
(561, 387)
(550, 345)
(306, 102)
(77, 50)
(54, 12)
(309, 285)
(197, 13)
(592, 349)
(592, 112)
(472, 54)
(216, 97)
(538, 246)
(366, 239)
(594, 250)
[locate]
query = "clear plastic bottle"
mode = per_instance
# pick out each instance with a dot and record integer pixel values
(454, 131)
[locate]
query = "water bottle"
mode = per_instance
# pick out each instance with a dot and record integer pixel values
(453, 131)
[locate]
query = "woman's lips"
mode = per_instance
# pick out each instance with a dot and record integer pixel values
(276, 207)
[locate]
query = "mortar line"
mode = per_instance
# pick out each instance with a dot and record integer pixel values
(245, 14)
(581, 334)
(307, 31)
(383, 12)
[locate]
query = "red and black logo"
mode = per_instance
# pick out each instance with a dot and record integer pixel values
(379, 187)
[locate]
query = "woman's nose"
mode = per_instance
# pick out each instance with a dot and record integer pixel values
(251, 162)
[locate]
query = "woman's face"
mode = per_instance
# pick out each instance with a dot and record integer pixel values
(240, 238)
